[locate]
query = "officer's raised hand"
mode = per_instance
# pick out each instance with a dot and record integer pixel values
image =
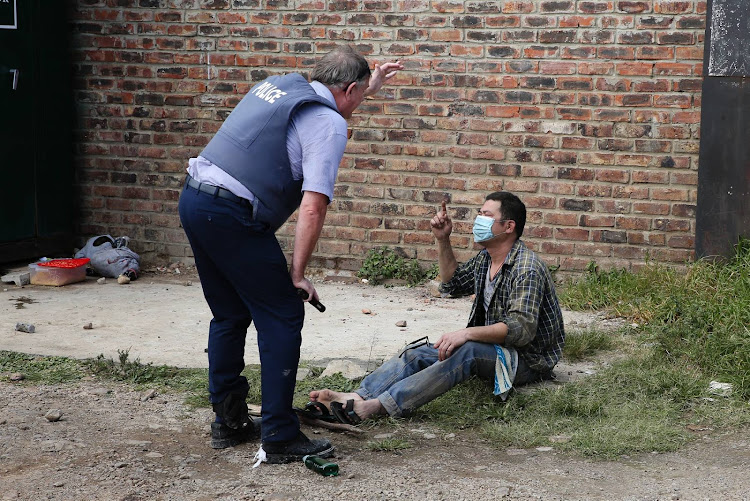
(380, 74)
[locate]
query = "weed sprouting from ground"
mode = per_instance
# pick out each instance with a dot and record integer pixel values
(383, 263)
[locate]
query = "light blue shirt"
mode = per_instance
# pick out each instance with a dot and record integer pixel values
(315, 142)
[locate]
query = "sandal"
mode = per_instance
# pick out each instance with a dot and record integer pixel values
(345, 414)
(316, 410)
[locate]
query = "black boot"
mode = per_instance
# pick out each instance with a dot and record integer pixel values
(293, 450)
(237, 426)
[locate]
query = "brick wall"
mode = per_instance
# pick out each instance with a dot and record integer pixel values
(588, 110)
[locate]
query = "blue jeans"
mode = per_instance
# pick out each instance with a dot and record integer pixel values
(245, 278)
(404, 383)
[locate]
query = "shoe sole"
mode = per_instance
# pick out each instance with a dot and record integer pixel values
(231, 441)
(292, 458)
(224, 443)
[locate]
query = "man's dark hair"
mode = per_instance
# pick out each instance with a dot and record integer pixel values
(341, 67)
(511, 207)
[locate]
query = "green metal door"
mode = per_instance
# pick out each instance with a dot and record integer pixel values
(35, 130)
(16, 123)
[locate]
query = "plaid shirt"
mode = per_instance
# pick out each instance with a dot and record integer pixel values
(524, 300)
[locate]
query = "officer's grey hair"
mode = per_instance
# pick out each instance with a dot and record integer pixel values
(341, 67)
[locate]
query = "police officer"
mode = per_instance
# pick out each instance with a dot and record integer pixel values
(277, 151)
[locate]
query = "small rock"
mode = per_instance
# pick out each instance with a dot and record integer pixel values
(154, 455)
(121, 464)
(346, 368)
(101, 280)
(366, 311)
(148, 395)
(350, 476)
(450, 436)
(430, 436)
(16, 376)
(188, 283)
(185, 476)
(88, 326)
(53, 415)
(544, 449)
(383, 436)
(401, 323)
(20, 279)
(21, 327)
(58, 484)
(122, 279)
(714, 387)
(560, 439)
(302, 373)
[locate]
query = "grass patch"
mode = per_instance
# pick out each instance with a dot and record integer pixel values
(697, 316)
(61, 370)
(39, 369)
(637, 405)
(388, 444)
(584, 344)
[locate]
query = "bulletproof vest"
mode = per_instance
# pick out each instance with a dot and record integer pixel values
(251, 145)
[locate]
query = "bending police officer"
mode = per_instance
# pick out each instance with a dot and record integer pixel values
(279, 150)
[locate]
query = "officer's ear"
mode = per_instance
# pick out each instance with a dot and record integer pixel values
(350, 88)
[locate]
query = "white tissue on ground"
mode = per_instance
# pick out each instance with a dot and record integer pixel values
(260, 457)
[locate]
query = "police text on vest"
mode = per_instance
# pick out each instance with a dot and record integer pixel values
(268, 92)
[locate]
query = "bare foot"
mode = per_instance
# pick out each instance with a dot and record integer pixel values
(363, 408)
(327, 396)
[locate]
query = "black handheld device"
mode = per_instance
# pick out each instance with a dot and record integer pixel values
(318, 305)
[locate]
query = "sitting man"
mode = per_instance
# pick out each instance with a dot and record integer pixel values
(515, 333)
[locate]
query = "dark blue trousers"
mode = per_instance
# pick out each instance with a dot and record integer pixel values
(245, 278)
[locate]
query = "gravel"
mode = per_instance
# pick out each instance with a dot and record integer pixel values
(111, 443)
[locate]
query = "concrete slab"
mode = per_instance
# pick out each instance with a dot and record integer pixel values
(163, 321)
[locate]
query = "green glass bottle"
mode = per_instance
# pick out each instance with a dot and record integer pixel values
(321, 466)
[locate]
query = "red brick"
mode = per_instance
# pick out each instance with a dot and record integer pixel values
(571, 234)
(558, 188)
(681, 242)
(653, 177)
(613, 175)
(651, 208)
(594, 190)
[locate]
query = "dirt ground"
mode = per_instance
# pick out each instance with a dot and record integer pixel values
(112, 444)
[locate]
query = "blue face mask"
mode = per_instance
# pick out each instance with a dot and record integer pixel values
(483, 228)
